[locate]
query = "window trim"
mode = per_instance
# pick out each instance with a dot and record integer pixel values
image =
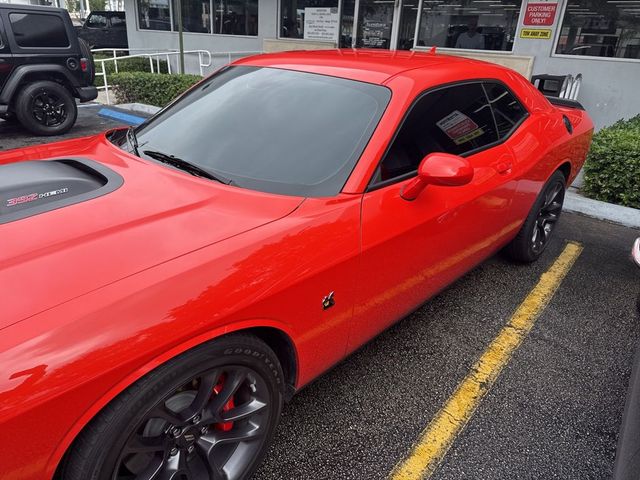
(556, 40)
(371, 186)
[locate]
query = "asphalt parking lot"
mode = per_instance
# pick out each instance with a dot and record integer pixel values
(554, 411)
(12, 135)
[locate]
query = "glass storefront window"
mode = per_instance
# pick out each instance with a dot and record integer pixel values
(469, 24)
(601, 29)
(309, 19)
(346, 23)
(196, 16)
(154, 15)
(228, 17)
(235, 17)
(375, 22)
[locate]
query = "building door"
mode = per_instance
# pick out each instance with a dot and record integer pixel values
(385, 24)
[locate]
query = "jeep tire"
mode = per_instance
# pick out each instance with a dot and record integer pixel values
(46, 108)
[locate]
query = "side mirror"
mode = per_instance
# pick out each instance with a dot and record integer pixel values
(635, 251)
(441, 169)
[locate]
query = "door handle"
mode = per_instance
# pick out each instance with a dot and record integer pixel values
(504, 167)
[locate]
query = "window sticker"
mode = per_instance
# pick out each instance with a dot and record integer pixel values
(459, 128)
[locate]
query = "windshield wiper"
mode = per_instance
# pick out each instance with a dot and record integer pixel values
(188, 167)
(132, 139)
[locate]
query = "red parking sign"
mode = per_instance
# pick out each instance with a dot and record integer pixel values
(540, 14)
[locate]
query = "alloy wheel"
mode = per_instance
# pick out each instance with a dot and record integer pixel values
(48, 109)
(210, 428)
(547, 218)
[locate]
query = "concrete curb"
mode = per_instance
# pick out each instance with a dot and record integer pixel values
(140, 108)
(576, 203)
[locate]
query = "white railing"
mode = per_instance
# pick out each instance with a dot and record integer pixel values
(205, 60)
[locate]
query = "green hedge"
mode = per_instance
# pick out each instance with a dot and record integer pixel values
(150, 88)
(136, 64)
(612, 169)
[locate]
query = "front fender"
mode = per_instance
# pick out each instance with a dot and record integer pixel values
(149, 366)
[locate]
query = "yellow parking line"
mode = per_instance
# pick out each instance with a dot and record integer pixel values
(437, 438)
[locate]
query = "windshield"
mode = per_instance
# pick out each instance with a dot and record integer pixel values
(269, 129)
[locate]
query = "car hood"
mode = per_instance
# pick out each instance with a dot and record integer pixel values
(156, 214)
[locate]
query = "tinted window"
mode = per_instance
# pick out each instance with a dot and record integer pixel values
(97, 21)
(196, 16)
(601, 29)
(38, 30)
(118, 22)
(154, 14)
(270, 129)
(235, 17)
(453, 120)
(508, 111)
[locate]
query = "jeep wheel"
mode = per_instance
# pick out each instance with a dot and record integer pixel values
(46, 108)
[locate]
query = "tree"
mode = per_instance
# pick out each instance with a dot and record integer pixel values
(97, 5)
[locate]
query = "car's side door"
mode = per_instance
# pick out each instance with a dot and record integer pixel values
(413, 249)
(5, 57)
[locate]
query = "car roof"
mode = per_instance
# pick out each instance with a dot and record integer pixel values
(35, 8)
(373, 66)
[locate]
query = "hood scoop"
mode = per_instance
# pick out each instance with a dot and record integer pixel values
(35, 187)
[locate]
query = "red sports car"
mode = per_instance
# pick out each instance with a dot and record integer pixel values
(166, 288)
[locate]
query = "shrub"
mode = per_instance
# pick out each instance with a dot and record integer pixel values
(612, 169)
(136, 64)
(151, 88)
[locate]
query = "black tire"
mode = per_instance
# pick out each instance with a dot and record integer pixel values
(85, 49)
(534, 236)
(46, 108)
(172, 391)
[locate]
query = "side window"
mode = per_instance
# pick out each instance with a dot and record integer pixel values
(38, 30)
(507, 110)
(97, 21)
(118, 21)
(455, 120)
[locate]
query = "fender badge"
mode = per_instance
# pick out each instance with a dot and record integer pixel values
(328, 301)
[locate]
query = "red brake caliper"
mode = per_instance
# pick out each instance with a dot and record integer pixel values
(224, 426)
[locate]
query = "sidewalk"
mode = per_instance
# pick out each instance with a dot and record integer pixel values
(574, 202)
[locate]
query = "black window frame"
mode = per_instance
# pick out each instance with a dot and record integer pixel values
(372, 185)
(3, 42)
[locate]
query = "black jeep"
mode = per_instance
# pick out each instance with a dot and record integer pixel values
(43, 66)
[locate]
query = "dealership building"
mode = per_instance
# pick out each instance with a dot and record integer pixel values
(599, 39)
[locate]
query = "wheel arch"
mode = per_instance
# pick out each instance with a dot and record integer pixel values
(29, 73)
(275, 335)
(566, 170)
